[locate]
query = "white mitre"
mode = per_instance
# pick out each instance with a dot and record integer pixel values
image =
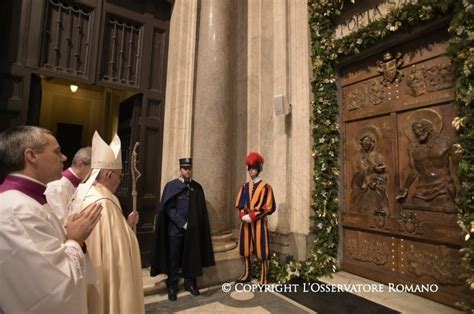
(103, 157)
(106, 156)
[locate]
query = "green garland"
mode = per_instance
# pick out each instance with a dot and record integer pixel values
(325, 131)
(325, 151)
(461, 51)
(399, 19)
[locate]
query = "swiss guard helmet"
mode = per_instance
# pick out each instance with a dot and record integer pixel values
(254, 160)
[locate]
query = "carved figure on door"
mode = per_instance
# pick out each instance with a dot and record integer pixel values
(369, 179)
(375, 92)
(432, 159)
(416, 82)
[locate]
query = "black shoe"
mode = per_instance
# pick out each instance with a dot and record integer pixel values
(172, 294)
(248, 279)
(193, 290)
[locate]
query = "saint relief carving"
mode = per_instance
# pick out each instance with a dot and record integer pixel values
(370, 93)
(438, 77)
(440, 265)
(369, 179)
(416, 82)
(375, 92)
(430, 79)
(432, 159)
(355, 100)
(369, 251)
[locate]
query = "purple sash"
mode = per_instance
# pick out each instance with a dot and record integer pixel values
(32, 189)
(71, 177)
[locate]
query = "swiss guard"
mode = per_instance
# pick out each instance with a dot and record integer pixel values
(255, 201)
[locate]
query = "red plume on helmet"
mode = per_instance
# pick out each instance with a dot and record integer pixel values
(254, 159)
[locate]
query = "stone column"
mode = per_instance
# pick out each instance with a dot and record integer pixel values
(212, 125)
(179, 88)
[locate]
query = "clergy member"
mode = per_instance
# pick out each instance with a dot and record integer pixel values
(59, 192)
(42, 270)
(113, 246)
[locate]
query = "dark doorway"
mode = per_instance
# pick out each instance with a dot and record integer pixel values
(36, 77)
(69, 137)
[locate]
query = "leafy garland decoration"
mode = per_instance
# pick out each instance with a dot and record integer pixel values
(461, 52)
(326, 129)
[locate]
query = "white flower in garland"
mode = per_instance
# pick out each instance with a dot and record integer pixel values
(393, 27)
(317, 63)
(458, 150)
(426, 11)
(458, 122)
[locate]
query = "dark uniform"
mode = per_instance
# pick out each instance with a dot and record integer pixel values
(177, 212)
(176, 246)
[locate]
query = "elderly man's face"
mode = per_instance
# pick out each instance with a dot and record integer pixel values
(83, 170)
(115, 179)
(420, 132)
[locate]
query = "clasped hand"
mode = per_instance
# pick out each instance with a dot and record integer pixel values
(79, 226)
(246, 218)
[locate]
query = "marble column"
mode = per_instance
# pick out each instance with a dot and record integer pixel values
(177, 137)
(212, 125)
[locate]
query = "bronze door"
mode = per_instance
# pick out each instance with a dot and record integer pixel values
(400, 184)
(133, 127)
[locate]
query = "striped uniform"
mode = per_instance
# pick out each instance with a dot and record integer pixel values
(257, 200)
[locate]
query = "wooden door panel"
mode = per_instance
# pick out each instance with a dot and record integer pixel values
(146, 129)
(375, 251)
(397, 125)
(381, 130)
(151, 142)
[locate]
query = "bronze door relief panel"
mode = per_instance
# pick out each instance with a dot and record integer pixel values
(399, 213)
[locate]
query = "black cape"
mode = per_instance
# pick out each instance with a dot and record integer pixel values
(197, 252)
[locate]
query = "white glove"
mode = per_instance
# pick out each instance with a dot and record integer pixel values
(246, 218)
(185, 227)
